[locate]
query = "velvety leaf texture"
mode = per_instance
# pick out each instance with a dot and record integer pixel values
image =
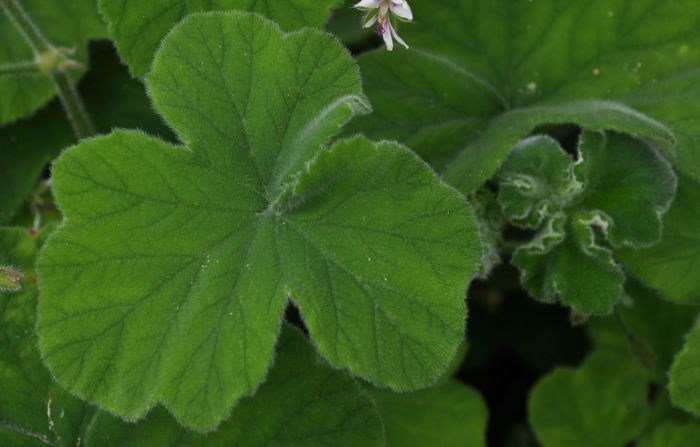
(138, 27)
(171, 272)
(600, 404)
(448, 415)
(673, 265)
(303, 402)
(507, 67)
(620, 187)
(67, 24)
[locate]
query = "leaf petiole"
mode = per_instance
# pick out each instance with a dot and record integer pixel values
(43, 50)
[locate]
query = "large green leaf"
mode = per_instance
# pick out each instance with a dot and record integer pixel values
(139, 27)
(673, 265)
(168, 279)
(619, 186)
(448, 415)
(603, 403)
(303, 402)
(507, 66)
(67, 24)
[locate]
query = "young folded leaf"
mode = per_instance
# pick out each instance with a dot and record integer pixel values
(620, 187)
(137, 30)
(169, 277)
(603, 402)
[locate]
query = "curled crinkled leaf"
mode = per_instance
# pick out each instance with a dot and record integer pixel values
(615, 193)
(169, 277)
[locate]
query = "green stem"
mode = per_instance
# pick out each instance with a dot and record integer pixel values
(31, 33)
(72, 104)
(639, 348)
(19, 69)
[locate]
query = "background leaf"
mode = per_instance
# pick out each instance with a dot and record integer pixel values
(472, 62)
(449, 415)
(601, 403)
(673, 265)
(684, 381)
(138, 28)
(68, 24)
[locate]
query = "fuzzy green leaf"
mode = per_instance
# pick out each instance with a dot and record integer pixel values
(620, 186)
(68, 24)
(303, 399)
(603, 403)
(303, 402)
(169, 277)
(509, 66)
(673, 265)
(536, 181)
(138, 28)
(684, 380)
(448, 415)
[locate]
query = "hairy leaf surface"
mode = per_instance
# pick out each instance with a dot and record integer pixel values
(171, 272)
(303, 402)
(673, 265)
(139, 27)
(619, 187)
(509, 66)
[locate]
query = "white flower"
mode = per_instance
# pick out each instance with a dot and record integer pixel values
(384, 8)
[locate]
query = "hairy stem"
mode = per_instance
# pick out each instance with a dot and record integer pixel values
(43, 50)
(19, 69)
